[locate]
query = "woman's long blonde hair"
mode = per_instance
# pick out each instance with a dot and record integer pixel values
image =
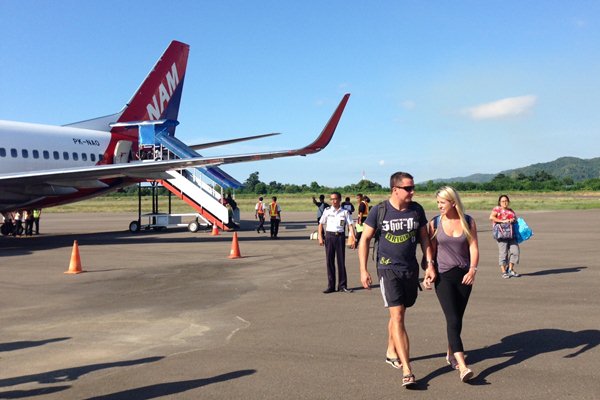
(450, 194)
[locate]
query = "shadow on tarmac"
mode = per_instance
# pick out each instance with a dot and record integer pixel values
(565, 270)
(70, 374)
(518, 348)
(29, 343)
(21, 394)
(171, 388)
(21, 246)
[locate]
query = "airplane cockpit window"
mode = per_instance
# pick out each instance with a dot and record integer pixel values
(93, 157)
(56, 155)
(83, 157)
(35, 154)
(65, 155)
(25, 153)
(13, 153)
(46, 154)
(75, 156)
(2, 152)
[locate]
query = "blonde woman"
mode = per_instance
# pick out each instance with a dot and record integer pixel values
(453, 236)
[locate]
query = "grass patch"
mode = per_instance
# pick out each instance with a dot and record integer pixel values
(521, 201)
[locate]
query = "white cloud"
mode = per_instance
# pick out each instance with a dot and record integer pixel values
(509, 107)
(381, 162)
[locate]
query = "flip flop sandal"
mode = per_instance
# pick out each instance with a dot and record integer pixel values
(394, 362)
(408, 380)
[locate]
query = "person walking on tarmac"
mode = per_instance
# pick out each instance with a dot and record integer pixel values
(36, 220)
(259, 212)
(400, 226)
(321, 206)
(363, 211)
(336, 219)
(275, 214)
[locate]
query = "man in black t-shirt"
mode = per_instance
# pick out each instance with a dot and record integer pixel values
(404, 225)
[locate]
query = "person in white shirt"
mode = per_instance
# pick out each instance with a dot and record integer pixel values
(259, 213)
(335, 220)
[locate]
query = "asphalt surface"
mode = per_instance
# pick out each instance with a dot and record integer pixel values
(169, 315)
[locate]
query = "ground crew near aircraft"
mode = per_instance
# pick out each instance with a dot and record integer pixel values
(275, 214)
(335, 219)
(36, 220)
(18, 227)
(259, 212)
(28, 218)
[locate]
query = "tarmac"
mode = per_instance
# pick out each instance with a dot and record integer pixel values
(168, 315)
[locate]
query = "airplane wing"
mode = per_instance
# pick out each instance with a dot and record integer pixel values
(230, 141)
(90, 176)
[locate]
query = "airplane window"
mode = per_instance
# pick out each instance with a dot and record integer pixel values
(100, 157)
(93, 157)
(13, 153)
(65, 155)
(83, 157)
(35, 153)
(25, 153)
(46, 154)
(75, 156)
(56, 155)
(2, 152)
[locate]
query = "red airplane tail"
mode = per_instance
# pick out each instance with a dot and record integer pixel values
(159, 95)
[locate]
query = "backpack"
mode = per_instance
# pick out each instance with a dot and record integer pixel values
(381, 209)
(436, 221)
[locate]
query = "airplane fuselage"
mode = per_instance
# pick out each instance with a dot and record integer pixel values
(35, 148)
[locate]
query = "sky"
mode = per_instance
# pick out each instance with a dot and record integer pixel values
(439, 89)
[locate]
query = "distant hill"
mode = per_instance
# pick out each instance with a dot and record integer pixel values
(565, 167)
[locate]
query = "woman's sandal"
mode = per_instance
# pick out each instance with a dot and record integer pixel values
(394, 362)
(409, 380)
(452, 362)
(466, 375)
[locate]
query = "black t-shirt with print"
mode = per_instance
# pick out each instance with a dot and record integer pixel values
(399, 236)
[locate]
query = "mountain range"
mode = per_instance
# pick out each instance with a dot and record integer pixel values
(564, 167)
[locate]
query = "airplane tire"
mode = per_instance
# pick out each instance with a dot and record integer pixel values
(194, 226)
(134, 226)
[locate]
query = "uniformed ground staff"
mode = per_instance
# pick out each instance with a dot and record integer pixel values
(335, 220)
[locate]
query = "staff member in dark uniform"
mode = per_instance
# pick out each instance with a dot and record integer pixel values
(335, 219)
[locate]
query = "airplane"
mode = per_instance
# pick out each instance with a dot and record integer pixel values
(44, 165)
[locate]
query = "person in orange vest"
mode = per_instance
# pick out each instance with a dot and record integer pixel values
(259, 212)
(275, 214)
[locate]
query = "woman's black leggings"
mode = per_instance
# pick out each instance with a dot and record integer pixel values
(453, 297)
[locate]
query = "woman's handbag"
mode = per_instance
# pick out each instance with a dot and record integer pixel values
(502, 231)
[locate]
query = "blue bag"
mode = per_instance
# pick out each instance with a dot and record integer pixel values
(523, 231)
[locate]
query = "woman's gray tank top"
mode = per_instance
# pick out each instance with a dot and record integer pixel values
(451, 251)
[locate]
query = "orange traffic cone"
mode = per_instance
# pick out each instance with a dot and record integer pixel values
(215, 230)
(75, 264)
(235, 247)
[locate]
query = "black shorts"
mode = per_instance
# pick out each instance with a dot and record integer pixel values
(398, 288)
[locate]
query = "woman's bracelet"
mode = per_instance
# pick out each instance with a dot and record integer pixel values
(475, 268)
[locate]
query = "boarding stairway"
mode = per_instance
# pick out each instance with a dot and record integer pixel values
(195, 186)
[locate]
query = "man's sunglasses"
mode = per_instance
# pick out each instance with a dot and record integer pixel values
(406, 188)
